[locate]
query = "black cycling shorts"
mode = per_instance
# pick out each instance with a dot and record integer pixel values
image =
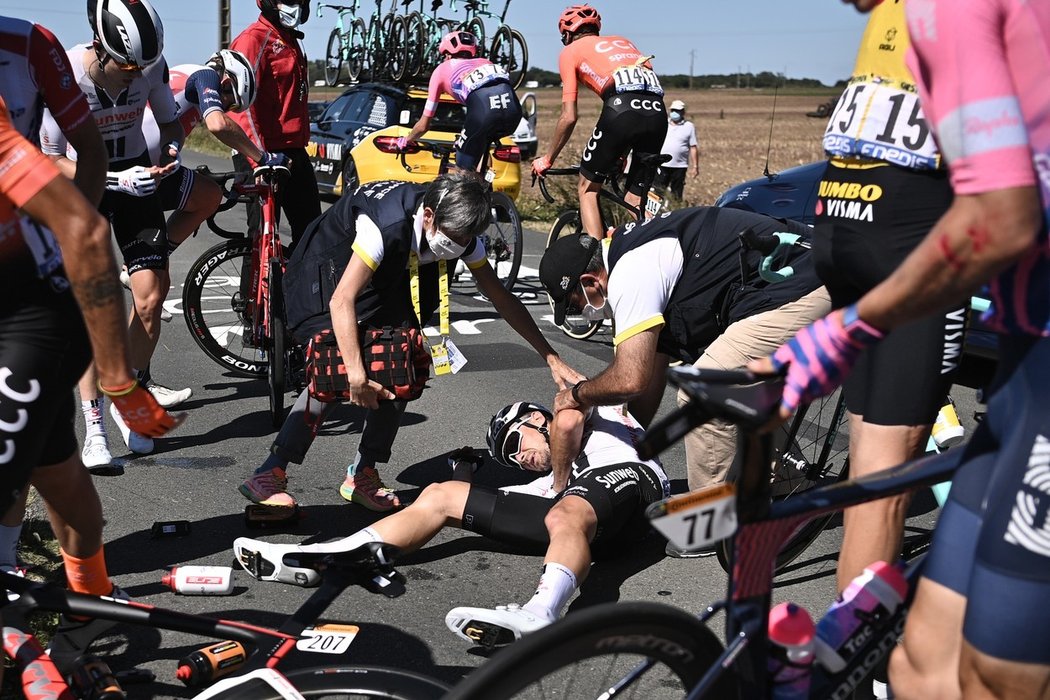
(44, 350)
(493, 111)
(868, 221)
(174, 190)
(138, 224)
(992, 542)
(630, 121)
(618, 494)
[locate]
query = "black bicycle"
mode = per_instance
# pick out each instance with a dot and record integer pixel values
(370, 567)
(653, 650)
(614, 192)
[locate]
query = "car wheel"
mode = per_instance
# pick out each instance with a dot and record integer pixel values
(349, 175)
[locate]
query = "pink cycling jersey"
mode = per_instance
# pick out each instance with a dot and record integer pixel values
(983, 68)
(459, 77)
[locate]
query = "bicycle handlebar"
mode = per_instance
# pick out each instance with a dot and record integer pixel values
(234, 194)
(337, 8)
(574, 170)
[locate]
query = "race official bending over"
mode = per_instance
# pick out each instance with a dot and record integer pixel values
(593, 496)
(673, 288)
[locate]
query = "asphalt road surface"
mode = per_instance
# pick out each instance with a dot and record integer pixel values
(194, 475)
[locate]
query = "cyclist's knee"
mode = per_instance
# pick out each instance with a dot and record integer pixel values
(446, 497)
(570, 514)
(981, 675)
(588, 188)
(205, 196)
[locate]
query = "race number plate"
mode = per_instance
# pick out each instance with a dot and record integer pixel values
(327, 639)
(482, 75)
(635, 79)
(653, 204)
(697, 519)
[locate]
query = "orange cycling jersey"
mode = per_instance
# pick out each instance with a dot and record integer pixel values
(24, 171)
(594, 61)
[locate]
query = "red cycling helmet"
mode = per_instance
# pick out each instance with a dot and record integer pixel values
(578, 16)
(458, 42)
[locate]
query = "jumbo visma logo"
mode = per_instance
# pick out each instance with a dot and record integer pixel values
(848, 200)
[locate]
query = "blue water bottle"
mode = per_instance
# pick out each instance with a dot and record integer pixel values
(791, 650)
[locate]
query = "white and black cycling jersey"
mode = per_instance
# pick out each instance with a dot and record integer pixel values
(611, 436)
(119, 117)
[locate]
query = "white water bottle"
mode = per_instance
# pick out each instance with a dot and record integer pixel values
(850, 621)
(200, 580)
(791, 635)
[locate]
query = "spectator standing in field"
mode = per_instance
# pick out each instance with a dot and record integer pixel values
(279, 121)
(680, 144)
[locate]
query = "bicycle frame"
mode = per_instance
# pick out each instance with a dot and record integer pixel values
(266, 247)
(764, 527)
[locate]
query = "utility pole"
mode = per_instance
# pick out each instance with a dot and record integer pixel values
(692, 55)
(224, 24)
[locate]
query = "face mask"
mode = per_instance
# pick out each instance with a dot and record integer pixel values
(289, 15)
(592, 313)
(443, 247)
(676, 116)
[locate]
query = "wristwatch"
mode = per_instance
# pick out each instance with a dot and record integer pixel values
(575, 392)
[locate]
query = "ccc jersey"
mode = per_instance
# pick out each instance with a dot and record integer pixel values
(607, 65)
(24, 171)
(36, 73)
(878, 116)
(119, 117)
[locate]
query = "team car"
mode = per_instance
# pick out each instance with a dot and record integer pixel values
(353, 140)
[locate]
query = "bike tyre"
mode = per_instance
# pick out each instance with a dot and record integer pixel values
(809, 436)
(355, 63)
(277, 368)
(504, 239)
(568, 223)
(681, 645)
(415, 30)
(347, 682)
(227, 257)
(333, 63)
(503, 54)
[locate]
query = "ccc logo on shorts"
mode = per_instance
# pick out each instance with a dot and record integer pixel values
(592, 144)
(7, 453)
(650, 105)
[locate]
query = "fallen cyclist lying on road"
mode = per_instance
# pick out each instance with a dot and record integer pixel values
(594, 491)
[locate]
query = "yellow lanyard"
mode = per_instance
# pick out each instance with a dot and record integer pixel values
(437, 350)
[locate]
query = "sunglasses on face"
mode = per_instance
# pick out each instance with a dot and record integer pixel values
(512, 443)
(128, 67)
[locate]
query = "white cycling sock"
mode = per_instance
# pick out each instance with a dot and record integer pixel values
(363, 536)
(557, 584)
(9, 535)
(94, 417)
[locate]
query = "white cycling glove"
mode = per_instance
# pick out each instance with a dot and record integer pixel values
(136, 181)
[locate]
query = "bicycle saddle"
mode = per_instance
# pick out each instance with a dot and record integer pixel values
(652, 159)
(435, 5)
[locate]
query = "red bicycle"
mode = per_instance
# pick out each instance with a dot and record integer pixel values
(232, 298)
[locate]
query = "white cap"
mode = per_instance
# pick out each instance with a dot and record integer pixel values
(678, 105)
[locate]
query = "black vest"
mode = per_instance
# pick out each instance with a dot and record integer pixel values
(710, 294)
(324, 251)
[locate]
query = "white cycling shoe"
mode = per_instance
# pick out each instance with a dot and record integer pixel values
(139, 444)
(168, 398)
(263, 561)
(96, 453)
(493, 627)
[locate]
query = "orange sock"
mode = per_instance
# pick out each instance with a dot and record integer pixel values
(88, 575)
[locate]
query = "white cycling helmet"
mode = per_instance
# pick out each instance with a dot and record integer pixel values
(505, 425)
(235, 66)
(130, 31)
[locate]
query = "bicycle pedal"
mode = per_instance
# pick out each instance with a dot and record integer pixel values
(259, 516)
(488, 635)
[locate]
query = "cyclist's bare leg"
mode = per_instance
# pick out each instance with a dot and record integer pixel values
(204, 199)
(439, 505)
(73, 505)
(926, 664)
(633, 199)
(872, 532)
(572, 524)
(148, 290)
(590, 211)
(985, 676)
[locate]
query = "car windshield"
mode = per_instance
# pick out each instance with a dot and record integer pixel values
(448, 117)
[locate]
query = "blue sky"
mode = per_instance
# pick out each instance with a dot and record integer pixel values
(801, 38)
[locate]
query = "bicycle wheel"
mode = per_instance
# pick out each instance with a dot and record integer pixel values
(568, 223)
(415, 30)
(216, 312)
(503, 239)
(510, 51)
(397, 46)
(476, 26)
(346, 682)
(276, 374)
(584, 654)
(333, 61)
(813, 451)
(355, 62)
